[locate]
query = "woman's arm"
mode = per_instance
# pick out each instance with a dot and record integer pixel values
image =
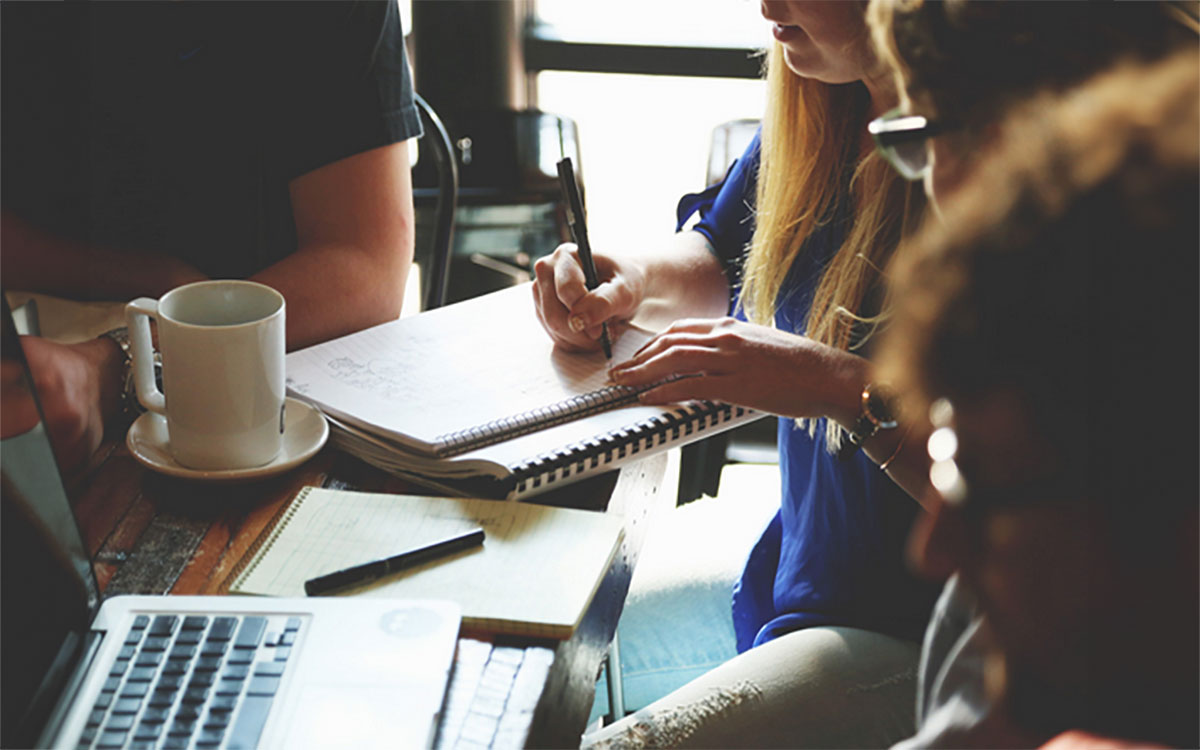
(781, 373)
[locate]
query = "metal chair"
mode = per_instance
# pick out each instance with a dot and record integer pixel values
(437, 278)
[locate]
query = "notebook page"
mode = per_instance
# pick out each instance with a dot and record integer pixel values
(451, 369)
(535, 573)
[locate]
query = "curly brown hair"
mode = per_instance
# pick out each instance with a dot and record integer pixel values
(1066, 271)
(967, 61)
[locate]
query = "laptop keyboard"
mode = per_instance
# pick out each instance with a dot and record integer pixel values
(192, 681)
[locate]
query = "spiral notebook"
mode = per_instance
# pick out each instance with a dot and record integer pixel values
(504, 586)
(475, 399)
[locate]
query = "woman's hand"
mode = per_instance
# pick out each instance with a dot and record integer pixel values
(569, 312)
(750, 365)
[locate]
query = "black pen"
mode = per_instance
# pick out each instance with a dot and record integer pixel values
(379, 568)
(575, 219)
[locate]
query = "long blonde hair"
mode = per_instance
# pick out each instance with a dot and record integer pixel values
(810, 141)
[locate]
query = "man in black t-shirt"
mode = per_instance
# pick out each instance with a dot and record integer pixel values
(146, 145)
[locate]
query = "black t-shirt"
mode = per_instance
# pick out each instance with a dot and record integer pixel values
(176, 127)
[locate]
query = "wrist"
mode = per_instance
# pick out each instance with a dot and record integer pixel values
(107, 361)
(848, 376)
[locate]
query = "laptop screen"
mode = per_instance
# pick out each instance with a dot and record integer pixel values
(47, 587)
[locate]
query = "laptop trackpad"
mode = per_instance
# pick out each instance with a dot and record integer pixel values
(340, 715)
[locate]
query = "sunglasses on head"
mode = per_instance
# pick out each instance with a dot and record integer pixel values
(901, 140)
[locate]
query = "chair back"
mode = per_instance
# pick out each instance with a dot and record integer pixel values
(437, 278)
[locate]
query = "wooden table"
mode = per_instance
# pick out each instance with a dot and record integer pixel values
(152, 534)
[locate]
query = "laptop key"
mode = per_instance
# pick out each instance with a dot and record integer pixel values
(127, 706)
(217, 720)
(149, 659)
(126, 652)
(104, 700)
(134, 637)
(263, 685)
(147, 731)
(282, 653)
(119, 722)
(176, 667)
(195, 695)
(209, 737)
(118, 668)
(271, 668)
(229, 687)
(170, 682)
(208, 663)
(156, 643)
(141, 745)
(251, 632)
(176, 743)
(195, 622)
(288, 638)
(249, 724)
(142, 674)
(140, 622)
(293, 623)
(164, 625)
(241, 656)
(182, 728)
(111, 684)
(222, 703)
(111, 739)
(135, 689)
(202, 680)
(182, 652)
(188, 712)
(222, 629)
(95, 717)
(155, 715)
(236, 671)
(162, 698)
(189, 637)
(214, 648)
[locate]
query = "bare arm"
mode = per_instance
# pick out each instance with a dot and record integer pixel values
(354, 226)
(38, 261)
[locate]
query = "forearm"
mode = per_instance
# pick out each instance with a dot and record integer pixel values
(683, 279)
(37, 261)
(335, 289)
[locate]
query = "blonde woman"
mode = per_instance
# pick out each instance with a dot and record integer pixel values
(826, 616)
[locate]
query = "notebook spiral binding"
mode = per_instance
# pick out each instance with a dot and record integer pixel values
(576, 407)
(588, 455)
(265, 539)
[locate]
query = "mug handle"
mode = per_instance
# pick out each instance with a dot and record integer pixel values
(137, 319)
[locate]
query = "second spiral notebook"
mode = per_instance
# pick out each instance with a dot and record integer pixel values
(475, 399)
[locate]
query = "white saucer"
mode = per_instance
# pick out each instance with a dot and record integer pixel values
(304, 432)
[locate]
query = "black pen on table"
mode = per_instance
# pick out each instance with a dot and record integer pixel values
(379, 568)
(575, 219)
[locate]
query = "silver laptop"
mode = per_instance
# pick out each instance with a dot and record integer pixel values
(188, 671)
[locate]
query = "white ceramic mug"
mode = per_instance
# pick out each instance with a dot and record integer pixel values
(222, 346)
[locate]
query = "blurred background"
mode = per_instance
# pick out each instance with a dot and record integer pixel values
(632, 90)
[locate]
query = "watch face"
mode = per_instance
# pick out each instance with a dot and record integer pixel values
(879, 407)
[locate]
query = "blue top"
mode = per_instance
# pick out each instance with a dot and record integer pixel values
(834, 553)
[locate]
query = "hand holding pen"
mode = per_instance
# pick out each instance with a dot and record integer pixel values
(576, 220)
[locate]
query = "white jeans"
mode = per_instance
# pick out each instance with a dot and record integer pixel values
(813, 688)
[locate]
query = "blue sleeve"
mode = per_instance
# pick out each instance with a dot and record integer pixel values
(727, 211)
